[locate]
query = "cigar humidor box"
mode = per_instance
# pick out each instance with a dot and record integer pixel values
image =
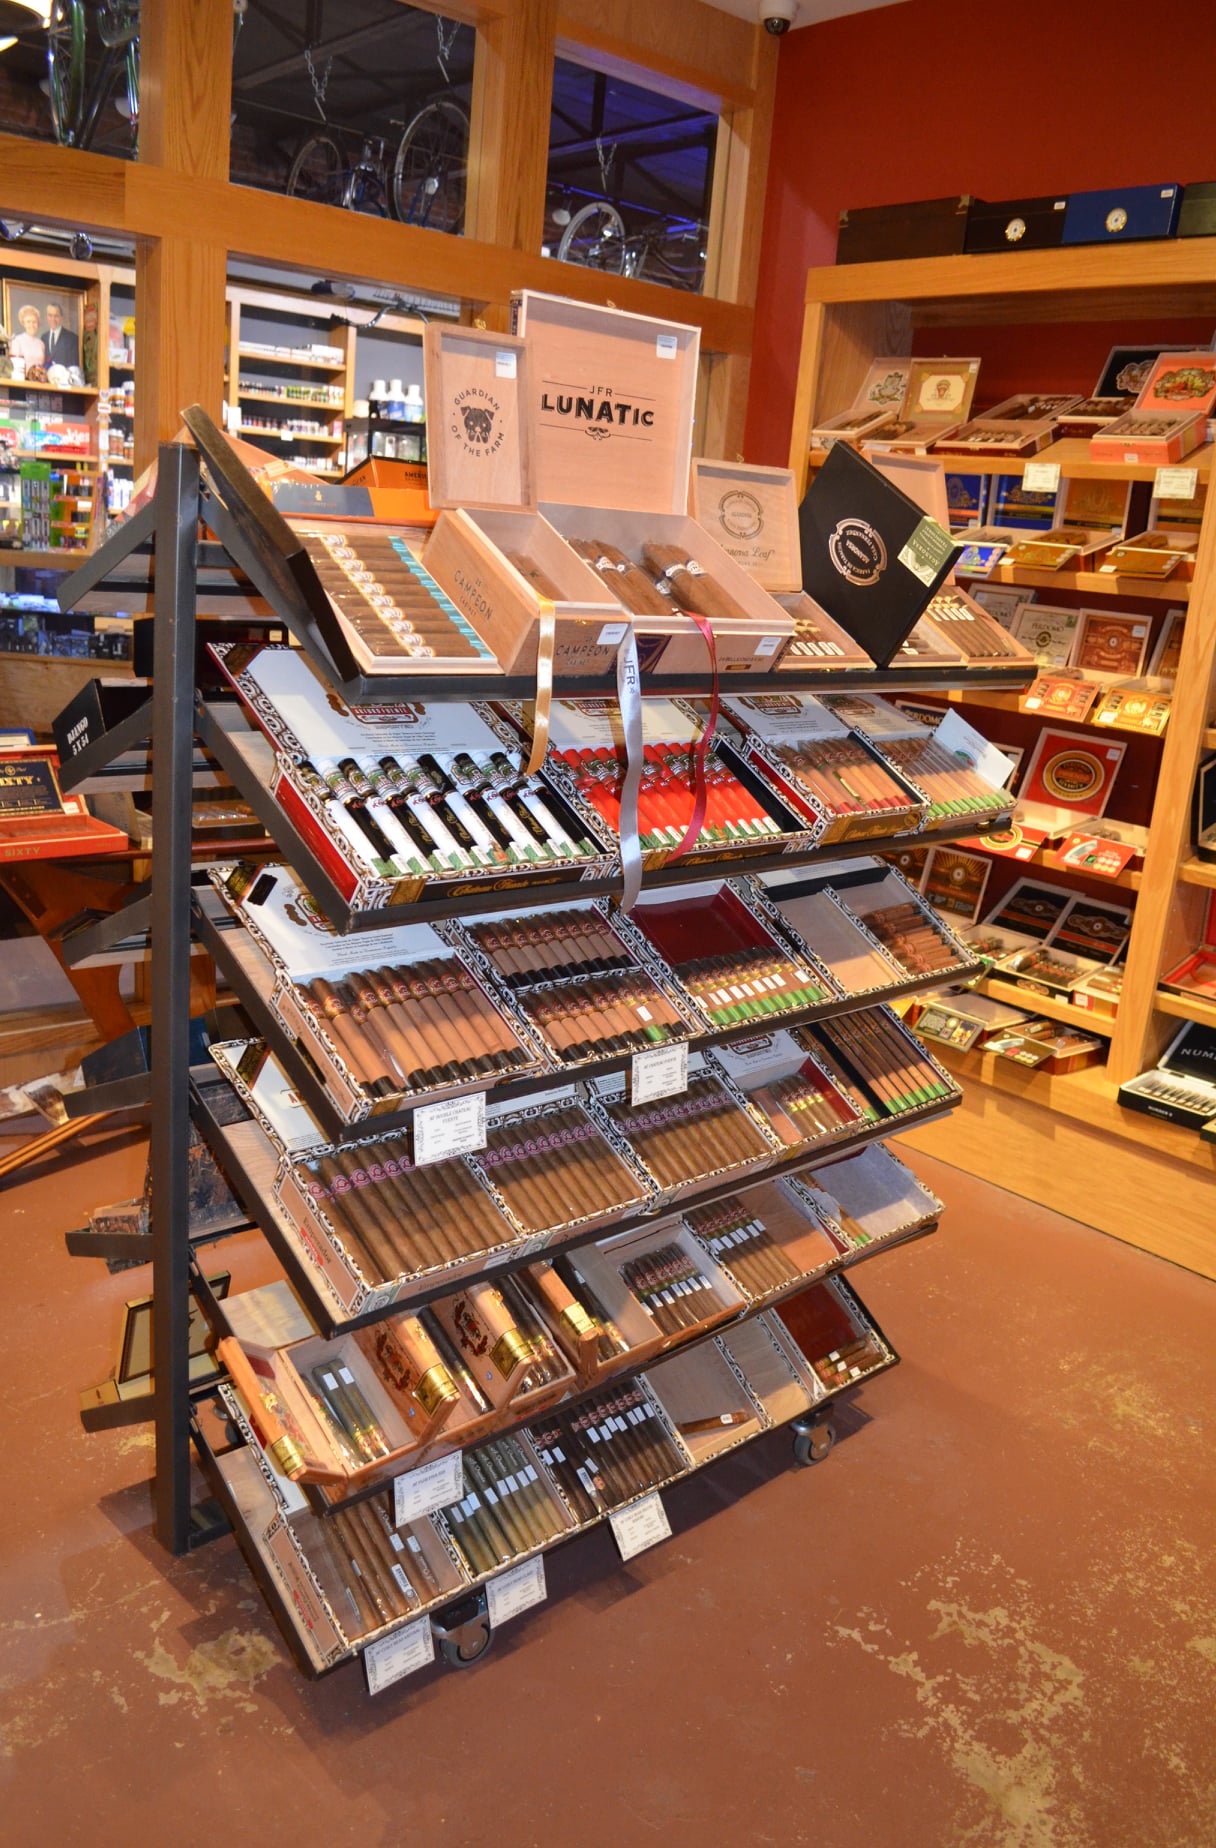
(560, 1166)
(302, 965)
(875, 1060)
(574, 1448)
(1018, 426)
(948, 788)
(893, 913)
(488, 1488)
(638, 1278)
(725, 948)
(936, 402)
(921, 228)
(707, 1401)
(831, 778)
(751, 512)
(1181, 1087)
(1015, 224)
(781, 1216)
(1156, 554)
(830, 1338)
(1025, 917)
(314, 731)
(879, 401)
(809, 911)
(1121, 214)
(753, 1348)
(612, 407)
(1086, 936)
(871, 1199)
(791, 1090)
(1130, 709)
(685, 1143)
(1069, 1050)
(1170, 414)
(583, 980)
(1195, 974)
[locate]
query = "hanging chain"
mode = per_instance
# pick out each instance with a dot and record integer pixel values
(319, 84)
(445, 43)
(607, 159)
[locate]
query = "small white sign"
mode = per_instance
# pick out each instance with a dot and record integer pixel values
(666, 346)
(504, 364)
(1041, 477)
(612, 634)
(768, 644)
(1175, 484)
(398, 1655)
(955, 735)
(641, 1525)
(454, 1127)
(514, 1592)
(660, 1072)
(434, 1485)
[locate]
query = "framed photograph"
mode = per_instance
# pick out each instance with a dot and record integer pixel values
(45, 325)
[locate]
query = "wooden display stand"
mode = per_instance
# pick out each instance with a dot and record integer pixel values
(1065, 1141)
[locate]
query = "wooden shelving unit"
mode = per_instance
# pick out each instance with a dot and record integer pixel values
(1066, 1141)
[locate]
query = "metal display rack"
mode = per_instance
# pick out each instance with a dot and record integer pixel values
(160, 548)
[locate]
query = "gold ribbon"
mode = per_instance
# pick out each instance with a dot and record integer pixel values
(546, 641)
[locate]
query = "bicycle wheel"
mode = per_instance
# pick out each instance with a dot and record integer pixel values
(65, 33)
(317, 171)
(595, 237)
(676, 257)
(431, 167)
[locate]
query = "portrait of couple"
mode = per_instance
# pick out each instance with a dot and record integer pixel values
(43, 325)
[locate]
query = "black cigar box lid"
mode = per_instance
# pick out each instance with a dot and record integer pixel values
(870, 556)
(922, 228)
(1015, 224)
(1197, 213)
(1193, 1053)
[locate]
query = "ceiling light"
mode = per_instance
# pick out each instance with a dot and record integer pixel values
(10, 38)
(41, 7)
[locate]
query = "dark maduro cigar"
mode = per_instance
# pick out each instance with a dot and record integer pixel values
(627, 582)
(691, 587)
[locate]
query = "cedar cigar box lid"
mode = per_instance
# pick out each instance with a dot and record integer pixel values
(1015, 224)
(477, 394)
(1197, 213)
(920, 228)
(611, 399)
(752, 512)
(1122, 215)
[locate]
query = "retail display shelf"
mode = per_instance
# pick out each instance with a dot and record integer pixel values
(1186, 1007)
(1069, 454)
(1013, 995)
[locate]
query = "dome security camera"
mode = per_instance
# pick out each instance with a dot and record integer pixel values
(778, 15)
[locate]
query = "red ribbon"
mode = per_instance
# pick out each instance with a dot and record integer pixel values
(701, 749)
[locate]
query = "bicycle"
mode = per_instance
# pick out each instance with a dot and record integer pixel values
(672, 250)
(425, 186)
(76, 103)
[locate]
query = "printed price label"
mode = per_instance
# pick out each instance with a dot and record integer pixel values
(1175, 484)
(504, 364)
(514, 1592)
(661, 1072)
(454, 1127)
(399, 1655)
(642, 1525)
(612, 634)
(421, 1491)
(665, 346)
(768, 644)
(1041, 477)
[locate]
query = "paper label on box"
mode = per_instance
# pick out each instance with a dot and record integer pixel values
(399, 1655)
(434, 1485)
(454, 1127)
(1175, 484)
(665, 346)
(955, 735)
(612, 634)
(767, 645)
(512, 1593)
(504, 364)
(928, 548)
(660, 1072)
(1041, 477)
(639, 1526)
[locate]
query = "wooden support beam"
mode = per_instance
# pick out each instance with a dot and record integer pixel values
(509, 151)
(185, 86)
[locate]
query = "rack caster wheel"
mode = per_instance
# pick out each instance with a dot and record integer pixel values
(812, 1442)
(464, 1632)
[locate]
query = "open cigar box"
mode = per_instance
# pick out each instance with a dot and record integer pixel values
(707, 1400)
(1085, 938)
(612, 406)
(769, 1238)
(879, 400)
(1170, 414)
(560, 1166)
(830, 1338)
(1195, 973)
(658, 1286)
(535, 835)
(799, 1099)
(878, 1064)
(682, 1144)
(870, 1199)
(807, 911)
(1181, 1087)
(1018, 426)
(937, 399)
(752, 512)
(439, 1021)
(893, 913)
(946, 785)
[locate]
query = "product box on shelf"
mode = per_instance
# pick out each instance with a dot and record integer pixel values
(1111, 644)
(1197, 213)
(936, 763)
(954, 881)
(808, 911)
(1067, 1048)
(791, 1089)
(406, 801)
(1100, 992)
(37, 821)
(706, 1400)
(511, 1508)
(921, 228)
(697, 1138)
(1181, 1087)
(833, 780)
(583, 978)
(614, 1446)
(770, 1237)
(1068, 780)
(1090, 416)
(1059, 696)
(1085, 937)
(559, 1166)
(879, 399)
(388, 1018)
(1132, 709)
(884, 1068)
(659, 1286)
(937, 400)
(832, 1341)
(1015, 224)
(1018, 426)
(513, 1366)
(768, 1367)
(1170, 415)
(871, 1199)
(752, 513)
(611, 420)
(1195, 974)
(497, 558)
(1121, 214)
(1203, 817)
(1024, 918)
(724, 946)
(893, 912)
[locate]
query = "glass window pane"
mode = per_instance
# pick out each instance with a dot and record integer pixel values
(73, 78)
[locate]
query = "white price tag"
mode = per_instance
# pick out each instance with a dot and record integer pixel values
(1041, 477)
(504, 364)
(661, 1072)
(665, 346)
(516, 1591)
(955, 735)
(434, 1485)
(768, 644)
(399, 1655)
(612, 634)
(454, 1127)
(642, 1524)
(1175, 484)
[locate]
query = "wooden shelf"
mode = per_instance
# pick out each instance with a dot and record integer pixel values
(54, 455)
(1186, 1007)
(1209, 738)
(1071, 453)
(291, 359)
(1198, 872)
(273, 397)
(58, 560)
(1050, 862)
(293, 436)
(59, 391)
(1064, 1011)
(998, 701)
(1088, 583)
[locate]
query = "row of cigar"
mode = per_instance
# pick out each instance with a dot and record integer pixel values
(841, 776)
(737, 1237)
(671, 580)
(671, 1287)
(383, 1569)
(414, 1026)
(802, 1106)
(952, 788)
(395, 1219)
(417, 816)
(913, 936)
(610, 1447)
(506, 1509)
(682, 1139)
(666, 795)
(749, 984)
(378, 586)
(557, 1169)
(894, 1070)
(977, 635)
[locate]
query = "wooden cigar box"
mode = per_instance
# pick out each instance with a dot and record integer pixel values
(608, 1265)
(1140, 436)
(820, 1330)
(1121, 214)
(936, 402)
(1015, 224)
(880, 399)
(1195, 974)
(920, 228)
(789, 1210)
(612, 406)
(707, 1401)
(1018, 426)
(751, 512)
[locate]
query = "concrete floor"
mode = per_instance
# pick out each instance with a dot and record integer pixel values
(988, 1620)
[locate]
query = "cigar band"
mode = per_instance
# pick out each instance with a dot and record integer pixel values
(577, 1319)
(286, 1456)
(435, 1388)
(511, 1350)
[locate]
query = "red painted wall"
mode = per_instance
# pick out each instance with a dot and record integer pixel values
(934, 97)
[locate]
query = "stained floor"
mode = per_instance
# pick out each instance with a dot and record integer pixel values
(987, 1620)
